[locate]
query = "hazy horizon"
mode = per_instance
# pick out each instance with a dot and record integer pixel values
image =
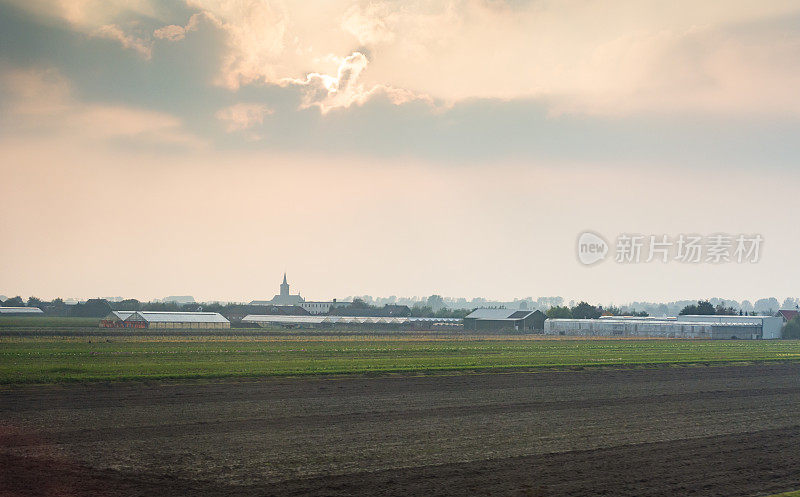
(460, 148)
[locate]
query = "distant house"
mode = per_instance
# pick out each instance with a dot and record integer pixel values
(396, 310)
(500, 320)
(789, 314)
(538, 320)
(388, 310)
(20, 311)
(281, 310)
(322, 307)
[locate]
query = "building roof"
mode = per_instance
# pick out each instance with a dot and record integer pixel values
(20, 310)
(498, 314)
(176, 317)
(789, 314)
(121, 315)
(720, 318)
(644, 320)
(337, 302)
(278, 319)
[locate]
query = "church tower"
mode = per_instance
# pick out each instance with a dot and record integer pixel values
(284, 287)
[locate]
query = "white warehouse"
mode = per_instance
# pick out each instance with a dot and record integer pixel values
(726, 327)
(159, 319)
(770, 325)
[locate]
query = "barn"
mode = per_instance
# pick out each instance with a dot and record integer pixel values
(115, 319)
(268, 320)
(159, 319)
(621, 326)
(500, 320)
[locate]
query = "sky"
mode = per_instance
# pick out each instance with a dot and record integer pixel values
(203, 147)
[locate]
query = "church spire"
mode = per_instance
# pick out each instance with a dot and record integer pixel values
(284, 287)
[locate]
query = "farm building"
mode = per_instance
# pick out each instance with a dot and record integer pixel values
(500, 319)
(770, 325)
(788, 314)
(115, 319)
(20, 311)
(154, 319)
(297, 321)
(661, 328)
(322, 307)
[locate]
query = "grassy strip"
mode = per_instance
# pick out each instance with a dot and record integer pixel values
(45, 360)
(47, 322)
(796, 493)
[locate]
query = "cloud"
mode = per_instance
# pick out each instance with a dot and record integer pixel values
(612, 58)
(243, 116)
(39, 102)
(600, 58)
(345, 89)
(35, 93)
(86, 15)
(171, 32)
(257, 40)
(117, 20)
(370, 24)
(174, 32)
(113, 32)
(583, 57)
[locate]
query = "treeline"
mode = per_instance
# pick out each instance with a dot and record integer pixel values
(792, 328)
(706, 308)
(432, 308)
(97, 308)
(92, 308)
(584, 310)
(360, 308)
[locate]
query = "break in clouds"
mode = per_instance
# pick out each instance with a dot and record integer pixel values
(618, 58)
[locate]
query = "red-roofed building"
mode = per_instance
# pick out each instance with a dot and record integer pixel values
(788, 315)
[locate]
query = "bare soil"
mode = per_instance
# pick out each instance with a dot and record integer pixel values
(732, 431)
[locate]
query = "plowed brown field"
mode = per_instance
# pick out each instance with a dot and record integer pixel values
(727, 431)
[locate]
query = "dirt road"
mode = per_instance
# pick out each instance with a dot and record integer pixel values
(670, 431)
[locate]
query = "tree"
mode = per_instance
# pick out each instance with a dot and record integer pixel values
(419, 311)
(128, 305)
(585, 310)
(792, 328)
(14, 302)
(359, 303)
(767, 306)
(34, 302)
(790, 303)
(92, 308)
(436, 302)
(703, 308)
(558, 312)
(721, 310)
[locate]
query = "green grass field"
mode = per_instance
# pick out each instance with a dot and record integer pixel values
(30, 322)
(54, 359)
